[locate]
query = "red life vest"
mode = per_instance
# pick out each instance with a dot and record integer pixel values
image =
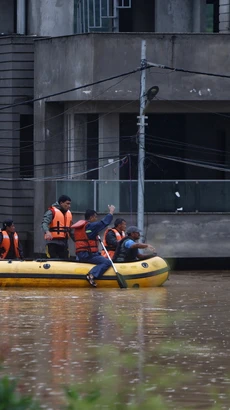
(110, 249)
(6, 244)
(83, 243)
(61, 223)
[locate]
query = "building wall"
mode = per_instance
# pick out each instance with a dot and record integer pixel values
(111, 54)
(182, 236)
(16, 85)
(83, 59)
(180, 16)
(50, 18)
(224, 16)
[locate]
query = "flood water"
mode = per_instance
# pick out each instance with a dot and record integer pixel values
(174, 340)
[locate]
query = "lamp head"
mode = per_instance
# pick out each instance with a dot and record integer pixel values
(152, 92)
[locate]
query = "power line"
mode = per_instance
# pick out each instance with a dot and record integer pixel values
(148, 66)
(183, 70)
(75, 88)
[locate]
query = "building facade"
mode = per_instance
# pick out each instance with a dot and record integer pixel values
(84, 140)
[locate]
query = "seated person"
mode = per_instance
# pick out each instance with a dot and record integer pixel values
(10, 247)
(127, 249)
(112, 236)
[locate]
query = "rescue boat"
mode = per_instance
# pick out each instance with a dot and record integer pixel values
(150, 272)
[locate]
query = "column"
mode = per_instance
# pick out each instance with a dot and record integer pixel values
(77, 145)
(109, 191)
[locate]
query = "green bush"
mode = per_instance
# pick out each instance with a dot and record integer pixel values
(11, 399)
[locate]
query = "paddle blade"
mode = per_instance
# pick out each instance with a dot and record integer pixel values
(121, 281)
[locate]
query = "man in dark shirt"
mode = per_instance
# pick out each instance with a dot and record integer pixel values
(10, 247)
(86, 242)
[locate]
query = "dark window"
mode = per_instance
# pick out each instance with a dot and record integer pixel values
(212, 16)
(26, 146)
(139, 18)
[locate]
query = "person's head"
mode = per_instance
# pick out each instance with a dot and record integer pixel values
(64, 202)
(120, 224)
(8, 225)
(133, 232)
(90, 215)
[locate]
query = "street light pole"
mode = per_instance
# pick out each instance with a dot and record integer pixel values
(141, 152)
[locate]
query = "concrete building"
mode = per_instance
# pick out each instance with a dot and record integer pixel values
(66, 44)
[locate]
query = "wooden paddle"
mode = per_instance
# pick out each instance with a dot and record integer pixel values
(120, 279)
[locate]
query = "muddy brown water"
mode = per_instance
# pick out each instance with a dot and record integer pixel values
(50, 338)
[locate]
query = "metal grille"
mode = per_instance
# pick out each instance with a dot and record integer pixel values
(101, 15)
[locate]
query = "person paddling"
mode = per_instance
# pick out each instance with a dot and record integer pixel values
(85, 234)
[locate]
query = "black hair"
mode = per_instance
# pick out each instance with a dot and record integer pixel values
(89, 213)
(7, 223)
(118, 221)
(63, 198)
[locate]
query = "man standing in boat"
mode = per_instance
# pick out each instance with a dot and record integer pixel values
(56, 225)
(10, 247)
(112, 236)
(85, 234)
(127, 249)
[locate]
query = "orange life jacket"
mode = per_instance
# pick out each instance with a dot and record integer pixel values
(111, 249)
(61, 223)
(6, 244)
(83, 243)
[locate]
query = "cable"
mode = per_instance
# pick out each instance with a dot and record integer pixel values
(148, 66)
(68, 109)
(76, 88)
(165, 67)
(190, 162)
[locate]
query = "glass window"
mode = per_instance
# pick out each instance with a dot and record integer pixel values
(212, 16)
(26, 146)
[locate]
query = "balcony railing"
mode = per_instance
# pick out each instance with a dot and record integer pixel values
(160, 196)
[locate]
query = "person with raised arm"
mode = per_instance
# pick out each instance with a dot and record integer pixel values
(85, 234)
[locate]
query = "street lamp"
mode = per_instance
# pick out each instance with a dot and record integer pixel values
(145, 99)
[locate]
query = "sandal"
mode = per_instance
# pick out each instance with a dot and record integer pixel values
(90, 279)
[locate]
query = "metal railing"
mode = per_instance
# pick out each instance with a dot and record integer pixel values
(98, 15)
(160, 196)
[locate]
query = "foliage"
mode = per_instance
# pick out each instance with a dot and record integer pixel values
(11, 399)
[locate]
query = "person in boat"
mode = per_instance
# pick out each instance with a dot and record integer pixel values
(56, 225)
(85, 233)
(127, 248)
(10, 247)
(112, 236)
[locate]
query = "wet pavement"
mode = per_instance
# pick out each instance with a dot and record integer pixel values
(173, 340)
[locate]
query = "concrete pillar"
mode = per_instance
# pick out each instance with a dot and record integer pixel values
(77, 145)
(39, 174)
(180, 16)
(108, 192)
(49, 155)
(50, 18)
(198, 16)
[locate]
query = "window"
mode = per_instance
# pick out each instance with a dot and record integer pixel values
(212, 16)
(26, 146)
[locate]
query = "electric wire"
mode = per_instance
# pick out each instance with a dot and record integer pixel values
(134, 71)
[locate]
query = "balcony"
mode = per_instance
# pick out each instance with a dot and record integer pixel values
(189, 196)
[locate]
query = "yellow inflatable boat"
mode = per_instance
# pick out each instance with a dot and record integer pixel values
(53, 273)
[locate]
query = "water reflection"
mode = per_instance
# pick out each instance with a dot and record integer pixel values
(50, 338)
